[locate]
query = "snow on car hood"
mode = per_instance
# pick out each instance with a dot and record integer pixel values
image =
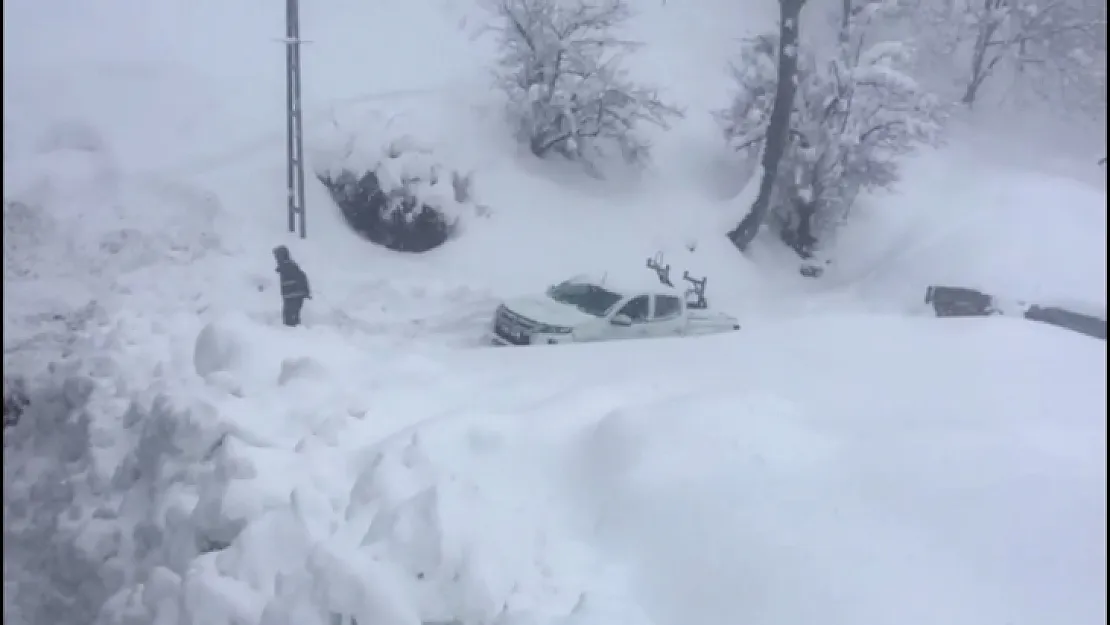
(546, 310)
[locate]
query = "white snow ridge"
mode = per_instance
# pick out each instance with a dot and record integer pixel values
(174, 455)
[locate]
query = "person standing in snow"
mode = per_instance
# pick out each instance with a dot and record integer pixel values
(294, 286)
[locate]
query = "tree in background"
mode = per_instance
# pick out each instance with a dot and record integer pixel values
(854, 114)
(560, 66)
(773, 137)
(1055, 48)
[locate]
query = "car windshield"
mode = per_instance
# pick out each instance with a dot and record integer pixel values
(589, 298)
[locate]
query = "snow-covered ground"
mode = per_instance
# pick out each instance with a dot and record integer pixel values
(848, 469)
(187, 460)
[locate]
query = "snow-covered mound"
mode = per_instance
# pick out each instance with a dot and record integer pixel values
(300, 480)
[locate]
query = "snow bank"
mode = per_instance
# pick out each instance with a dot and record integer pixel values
(642, 483)
(96, 476)
(410, 542)
(177, 484)
(389, 530)
(238, 354)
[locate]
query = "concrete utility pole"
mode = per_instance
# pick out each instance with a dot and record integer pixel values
(294, 140)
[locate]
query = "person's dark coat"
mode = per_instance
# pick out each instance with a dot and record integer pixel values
(294, 286)
(294, 282)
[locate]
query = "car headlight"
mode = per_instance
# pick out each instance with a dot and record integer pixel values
(546, 329)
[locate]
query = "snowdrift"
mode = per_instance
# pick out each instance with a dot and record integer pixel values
(661, 483)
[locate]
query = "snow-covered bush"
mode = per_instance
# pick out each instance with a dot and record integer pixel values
(560, 66)
(854, 115)
(403, 199)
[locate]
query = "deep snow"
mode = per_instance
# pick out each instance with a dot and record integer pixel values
(186, 460)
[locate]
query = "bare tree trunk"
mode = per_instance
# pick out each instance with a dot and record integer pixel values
(980, 67)
(845, 19)
(778, 128)
(978, 73)
(970, 94)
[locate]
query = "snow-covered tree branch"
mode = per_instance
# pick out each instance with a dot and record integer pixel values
(560, 66)
(1052, 44)
(854, 115)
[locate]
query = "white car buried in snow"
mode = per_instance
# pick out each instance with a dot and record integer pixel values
(584, 309)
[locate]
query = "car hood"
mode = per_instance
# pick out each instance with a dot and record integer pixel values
(548, 311)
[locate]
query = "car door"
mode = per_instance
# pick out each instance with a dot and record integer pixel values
(666, 316)
(638, 309)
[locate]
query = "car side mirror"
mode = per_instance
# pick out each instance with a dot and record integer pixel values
(621, 319)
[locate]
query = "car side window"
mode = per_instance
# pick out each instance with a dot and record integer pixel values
(636, 309)
(667, 307)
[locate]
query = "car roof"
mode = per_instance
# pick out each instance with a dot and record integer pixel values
(647, 284)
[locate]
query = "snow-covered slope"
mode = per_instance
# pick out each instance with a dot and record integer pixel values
(185, 460)
(963, 220)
